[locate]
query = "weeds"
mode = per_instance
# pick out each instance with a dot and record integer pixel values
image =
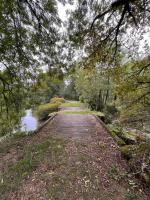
(114, 173)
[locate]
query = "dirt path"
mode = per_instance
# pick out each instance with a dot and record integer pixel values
(76, 159)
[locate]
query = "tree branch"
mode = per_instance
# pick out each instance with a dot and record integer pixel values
(100, 16)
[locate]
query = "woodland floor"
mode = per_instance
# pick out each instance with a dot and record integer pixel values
(73, 157)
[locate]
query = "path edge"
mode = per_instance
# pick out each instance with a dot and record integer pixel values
(46, 122)
(102, 123)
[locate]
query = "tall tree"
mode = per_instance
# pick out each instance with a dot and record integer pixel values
(106, 28)
(29, 36)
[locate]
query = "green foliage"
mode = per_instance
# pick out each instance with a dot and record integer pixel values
(44, 110)
(101, 29)
(93, 87)
(47, 86)
(28, 32)
(83, 112)
(132, 91)
(69, 90)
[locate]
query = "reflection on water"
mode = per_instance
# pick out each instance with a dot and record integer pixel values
(29, 122)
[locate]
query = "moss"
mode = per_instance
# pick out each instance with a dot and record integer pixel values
(128, 151)
(119, 141)
(127, 136)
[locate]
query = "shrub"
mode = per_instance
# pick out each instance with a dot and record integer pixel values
(57, 100)
(45, 109)
(111, 109)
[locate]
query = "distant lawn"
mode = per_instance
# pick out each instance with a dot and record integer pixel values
(85, 111)
(72, 104)
(82, 112)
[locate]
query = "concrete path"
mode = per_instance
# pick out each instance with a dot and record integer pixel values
(92, 169)
(76, 159)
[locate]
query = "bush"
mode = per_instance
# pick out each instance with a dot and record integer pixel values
(45, 109)
(57, 100)
(111, 109)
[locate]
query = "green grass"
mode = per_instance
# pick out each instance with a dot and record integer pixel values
(115, 174)
(48, 152)
(82, 112)
(72, 104)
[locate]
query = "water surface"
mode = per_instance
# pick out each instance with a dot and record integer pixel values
(29, 122)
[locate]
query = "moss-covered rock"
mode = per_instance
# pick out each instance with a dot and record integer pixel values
(129, 137)
(119, 141)
(139, 159)
(128, 151)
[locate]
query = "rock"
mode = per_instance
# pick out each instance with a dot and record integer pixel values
(129, 137)
(119, 141)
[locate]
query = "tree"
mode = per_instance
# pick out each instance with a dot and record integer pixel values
(29, 33)
(69, 90)
(132, 90)
(47, 85)
(94, 87)
(106, 28)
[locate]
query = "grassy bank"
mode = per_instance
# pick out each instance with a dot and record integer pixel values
(47, 152)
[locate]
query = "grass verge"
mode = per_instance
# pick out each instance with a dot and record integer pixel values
(83, 112)
(44, 153)
(72, 104)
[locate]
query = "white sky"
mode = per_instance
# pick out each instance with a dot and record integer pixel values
(62, 10)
